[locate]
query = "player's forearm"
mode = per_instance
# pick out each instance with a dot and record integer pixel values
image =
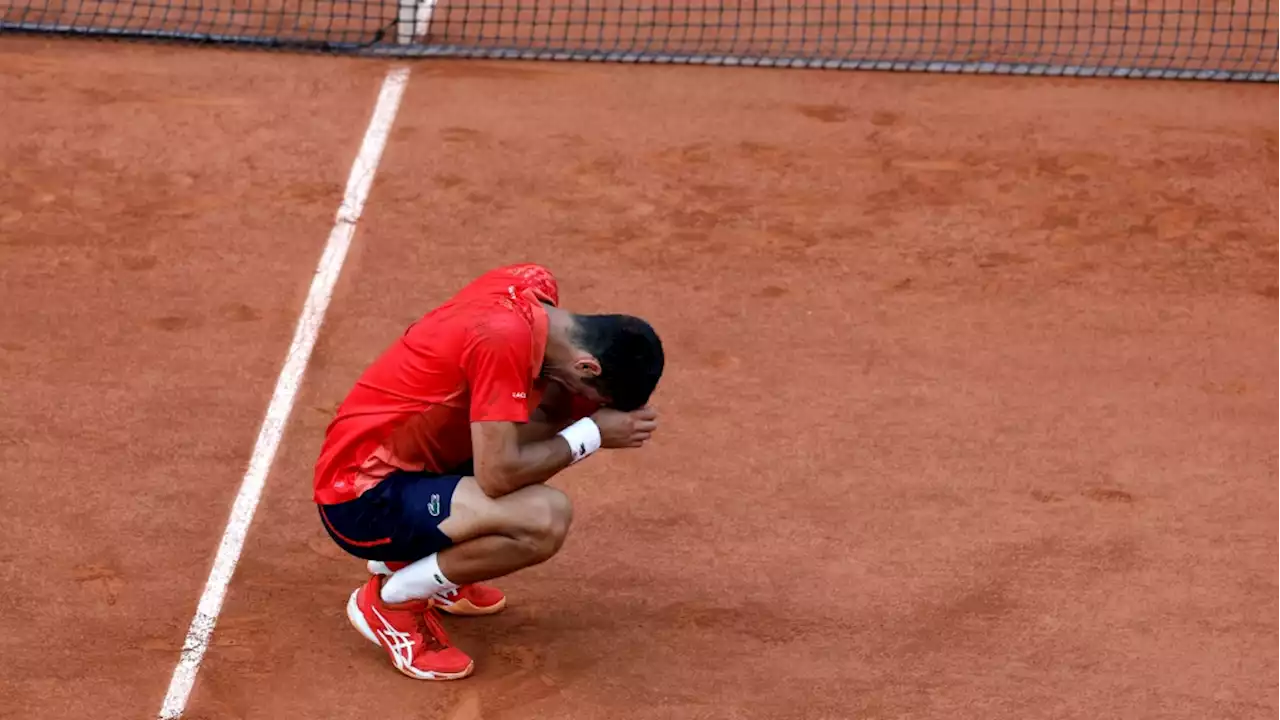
(540, 427)
(510, 456)
(532, 463)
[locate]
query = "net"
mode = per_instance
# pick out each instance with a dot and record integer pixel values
(1200, 39)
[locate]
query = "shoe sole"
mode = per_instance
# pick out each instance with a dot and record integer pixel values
(464, 608)
(356, 618)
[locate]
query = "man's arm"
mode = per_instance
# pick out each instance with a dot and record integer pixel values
(527, 466)
(505, 464)
(540, 427)
(497, 367)
(505, 461)
(496, 361)
(550, 417)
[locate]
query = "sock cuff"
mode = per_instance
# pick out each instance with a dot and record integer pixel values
(417, 581)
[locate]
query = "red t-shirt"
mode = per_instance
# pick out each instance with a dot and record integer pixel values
(476, 358)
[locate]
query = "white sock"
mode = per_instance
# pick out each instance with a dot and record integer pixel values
(416, 581)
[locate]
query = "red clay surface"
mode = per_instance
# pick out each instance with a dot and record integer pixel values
(970, 410)
(161, 214)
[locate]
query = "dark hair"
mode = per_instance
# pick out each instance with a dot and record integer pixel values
(630, 356)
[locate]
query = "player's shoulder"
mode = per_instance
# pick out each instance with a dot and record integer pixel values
(503, 317)
(499, 320)
(526, 276)
(502, 304)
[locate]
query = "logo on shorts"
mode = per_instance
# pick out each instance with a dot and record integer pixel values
(433, 506)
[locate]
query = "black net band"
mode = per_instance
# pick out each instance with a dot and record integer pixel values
(1189, 39)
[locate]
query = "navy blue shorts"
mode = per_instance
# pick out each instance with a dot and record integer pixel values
(396, 520)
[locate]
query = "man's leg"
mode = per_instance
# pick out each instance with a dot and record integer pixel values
(497, 536)
(492, 537)
(399, 518)
(471, 536)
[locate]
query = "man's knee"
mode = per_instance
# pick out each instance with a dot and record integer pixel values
(546, 524)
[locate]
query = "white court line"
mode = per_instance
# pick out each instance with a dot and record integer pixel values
(295, 364)
(423, 22)
(414, 20)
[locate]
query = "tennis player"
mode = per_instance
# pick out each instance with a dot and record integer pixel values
(433, 470)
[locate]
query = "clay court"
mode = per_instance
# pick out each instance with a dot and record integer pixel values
(970, 409)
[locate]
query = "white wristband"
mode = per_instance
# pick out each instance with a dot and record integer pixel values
(583, 438)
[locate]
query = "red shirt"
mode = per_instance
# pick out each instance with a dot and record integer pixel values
(476, 358)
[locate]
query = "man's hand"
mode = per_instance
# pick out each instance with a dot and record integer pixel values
(625, 429)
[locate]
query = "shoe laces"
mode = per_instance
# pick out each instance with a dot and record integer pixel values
(433, 632)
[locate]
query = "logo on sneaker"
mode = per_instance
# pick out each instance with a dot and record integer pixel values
(433, 506)
(399, 644)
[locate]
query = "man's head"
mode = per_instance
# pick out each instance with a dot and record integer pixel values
(616, 360)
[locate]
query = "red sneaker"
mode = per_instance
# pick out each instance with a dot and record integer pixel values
(473, 599)
(470, 600)
(410, 632)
